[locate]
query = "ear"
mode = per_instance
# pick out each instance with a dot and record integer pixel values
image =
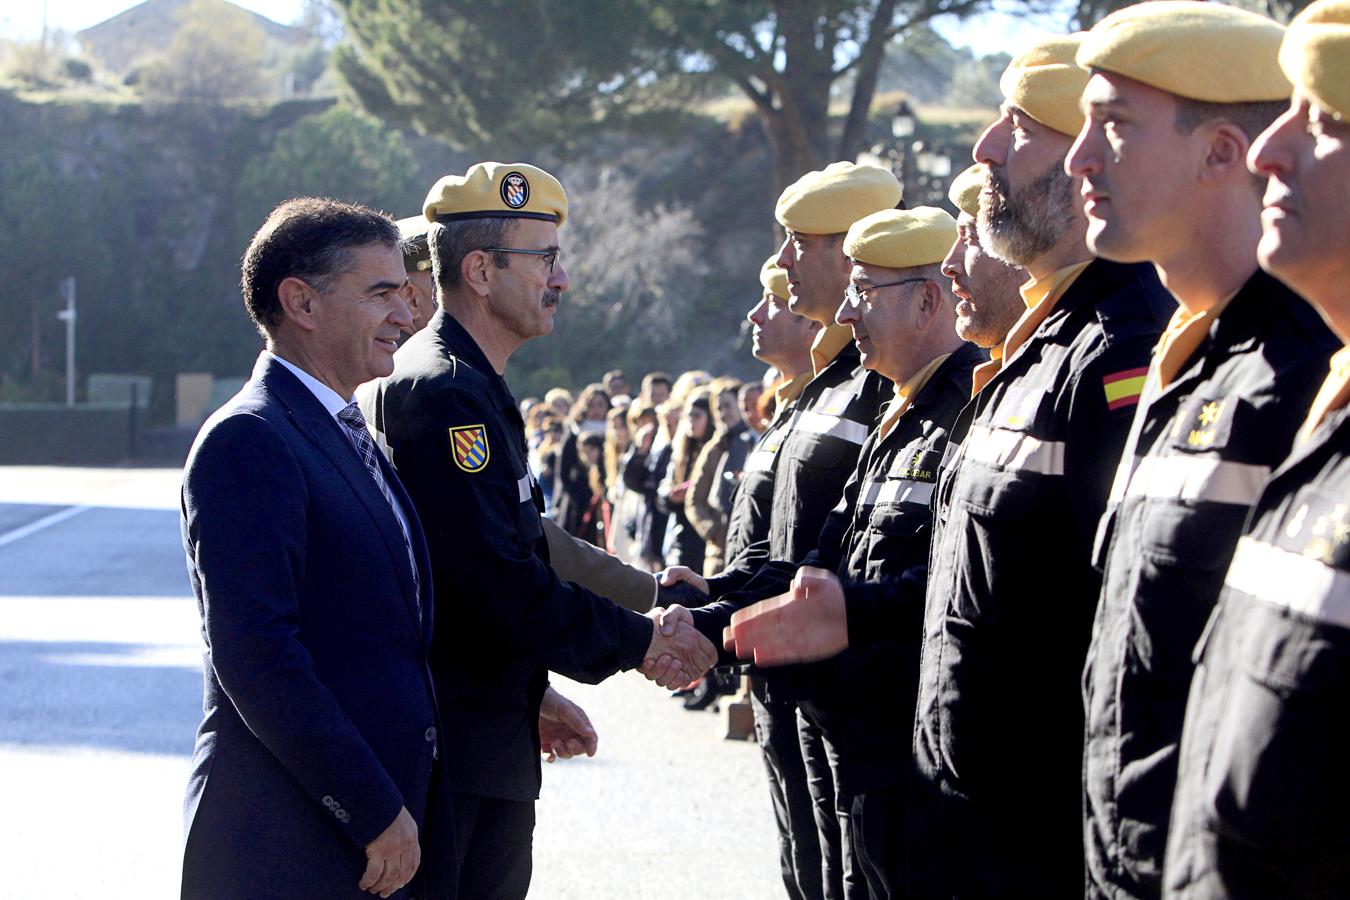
(297, 299)
(931, 302)
(1227, 153)
(474, 271)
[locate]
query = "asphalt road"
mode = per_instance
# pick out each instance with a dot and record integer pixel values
(100, 694)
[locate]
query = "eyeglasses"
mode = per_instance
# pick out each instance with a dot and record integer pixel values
(855, 295)
(549, 256)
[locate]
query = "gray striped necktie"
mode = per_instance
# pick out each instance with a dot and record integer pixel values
(355, 424)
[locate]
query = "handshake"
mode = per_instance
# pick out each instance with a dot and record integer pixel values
(678, 654)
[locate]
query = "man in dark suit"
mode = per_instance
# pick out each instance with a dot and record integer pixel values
(318, 756)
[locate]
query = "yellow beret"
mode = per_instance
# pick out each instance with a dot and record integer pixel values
(497, 190)
(1044, 82)
(412, 233)
(900, 238)
(830, 200)
(1316, 54)
(1203, 51)
(773, 278)
(965, 190)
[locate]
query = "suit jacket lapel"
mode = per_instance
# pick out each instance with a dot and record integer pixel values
(324, 432)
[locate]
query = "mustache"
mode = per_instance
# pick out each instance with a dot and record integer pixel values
(552, 298)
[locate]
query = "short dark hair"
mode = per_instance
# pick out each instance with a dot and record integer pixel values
(451, 241)
(307, 238)
(1252, 117)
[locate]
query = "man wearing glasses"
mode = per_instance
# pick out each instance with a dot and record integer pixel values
(456, 438)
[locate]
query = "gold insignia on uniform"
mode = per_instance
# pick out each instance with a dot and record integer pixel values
(1209, 413)
(469, 447)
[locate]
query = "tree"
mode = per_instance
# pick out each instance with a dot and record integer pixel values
(341, 153)
(474, 71)
(215, 55)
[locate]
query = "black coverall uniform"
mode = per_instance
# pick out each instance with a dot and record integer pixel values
(819, 450)
(1262, 786)
(1198, 453)
(504, 619)
(998, 741)
(862, 700)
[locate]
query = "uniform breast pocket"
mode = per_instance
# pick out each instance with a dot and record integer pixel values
(825, 452)
(1276, 777)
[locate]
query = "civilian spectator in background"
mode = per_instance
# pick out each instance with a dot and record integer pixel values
(702, 506)
(572, 494)
(683, 545)
(561, 400)
(616, 385)
(752, 413)
(655, 388)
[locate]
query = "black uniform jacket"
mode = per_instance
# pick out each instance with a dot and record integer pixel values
(834, 415)
(752, 499)
(1262, 787)
(863, 699)
(504, 618)
(1011, 593)
(1195, 462)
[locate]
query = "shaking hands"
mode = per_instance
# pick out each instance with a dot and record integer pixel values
(678, 654)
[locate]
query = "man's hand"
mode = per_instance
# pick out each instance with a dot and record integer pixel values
(676, 574)
(807, 624)
(564, 728)
(393, 857)
(678, 653)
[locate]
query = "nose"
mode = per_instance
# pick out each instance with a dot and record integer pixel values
(992, 147)
(757, 314)
(400, 313)
(1270, 153)
(784, 260)
(557, 279)
(848, 312)
(954, 256)
(1084, 157)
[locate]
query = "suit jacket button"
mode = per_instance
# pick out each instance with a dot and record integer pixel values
(431, 735)
(329, 802)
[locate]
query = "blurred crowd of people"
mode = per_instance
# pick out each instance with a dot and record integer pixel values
(648, 477)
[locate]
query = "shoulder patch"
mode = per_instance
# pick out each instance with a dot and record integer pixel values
(1123, 388)
(469, 447)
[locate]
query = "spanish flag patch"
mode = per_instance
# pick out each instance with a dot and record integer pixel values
(1123, 388)
(469, 447)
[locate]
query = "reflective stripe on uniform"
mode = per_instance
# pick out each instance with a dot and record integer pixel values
(1296, 582)
(1014, 450)
(896, 490)
(834, 426)
(1197, 478)
(523, 487)
(761, 460)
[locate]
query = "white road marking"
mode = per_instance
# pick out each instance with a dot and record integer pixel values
(55, 518)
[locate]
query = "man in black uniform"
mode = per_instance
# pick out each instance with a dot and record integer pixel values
(1162, 158)
(456, 438)
(834, 414)
(902, 315)
(1011, 590)
(1259, 809)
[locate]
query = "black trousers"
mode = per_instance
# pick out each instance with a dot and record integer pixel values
(841, 873)
(877, 826)
(798, 845)
(495, 841)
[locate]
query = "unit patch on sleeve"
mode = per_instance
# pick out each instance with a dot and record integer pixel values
(469, 447)
(1123, 388)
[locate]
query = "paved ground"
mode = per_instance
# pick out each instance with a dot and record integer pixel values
(100, 692)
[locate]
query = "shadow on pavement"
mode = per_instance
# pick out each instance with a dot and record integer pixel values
(129, 697)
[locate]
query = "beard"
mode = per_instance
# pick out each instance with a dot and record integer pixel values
(1020, 229)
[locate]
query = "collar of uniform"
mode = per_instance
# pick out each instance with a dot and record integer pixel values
(1051, 288)
(465, 349)
(906, 392)
(832, 339)
(1333, 396)
(788, 391)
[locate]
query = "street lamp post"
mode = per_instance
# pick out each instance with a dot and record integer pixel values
(67, 315)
